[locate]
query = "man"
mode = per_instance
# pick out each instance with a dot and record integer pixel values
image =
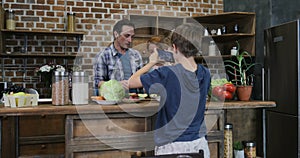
(118, 61)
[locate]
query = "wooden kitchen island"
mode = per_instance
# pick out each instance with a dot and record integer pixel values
(98, 130)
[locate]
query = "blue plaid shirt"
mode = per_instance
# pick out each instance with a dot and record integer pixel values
(108, 65)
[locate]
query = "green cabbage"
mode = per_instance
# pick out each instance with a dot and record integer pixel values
(112, 90)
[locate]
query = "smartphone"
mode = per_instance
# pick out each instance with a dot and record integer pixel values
(165, 55)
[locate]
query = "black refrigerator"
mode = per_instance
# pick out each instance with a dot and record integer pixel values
(282, 85)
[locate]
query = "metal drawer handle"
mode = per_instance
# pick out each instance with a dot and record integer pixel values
(43, 146)
(111, 128)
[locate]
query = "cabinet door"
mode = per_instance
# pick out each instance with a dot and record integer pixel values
(41, 135)
(30, 136)
(215, 127)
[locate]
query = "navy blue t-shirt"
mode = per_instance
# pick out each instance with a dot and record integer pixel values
(183, 95)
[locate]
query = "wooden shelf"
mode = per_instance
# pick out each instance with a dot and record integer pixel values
(143, 36)
(230, 37)
(40, 55)
(46, 32)
(245, 35)
(149, 26)
(224, 17)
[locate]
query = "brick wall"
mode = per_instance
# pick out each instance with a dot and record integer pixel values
(95, 17)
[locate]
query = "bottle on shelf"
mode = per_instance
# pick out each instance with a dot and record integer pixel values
(236, 28)
(224, 29)
(219, 32)
(233, 51)
(212, 48)
(205, 32)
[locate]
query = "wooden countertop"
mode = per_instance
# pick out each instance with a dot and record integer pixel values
(141, 107)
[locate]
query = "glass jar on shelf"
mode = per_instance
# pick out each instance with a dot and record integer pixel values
(228, 142)
(71, 22)
(80, 88)
(250, 149)
(10, 19)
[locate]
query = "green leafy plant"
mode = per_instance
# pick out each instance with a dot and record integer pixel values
(239, 67)
(238, 145)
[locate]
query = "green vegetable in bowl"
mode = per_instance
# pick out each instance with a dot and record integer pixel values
(112, 90)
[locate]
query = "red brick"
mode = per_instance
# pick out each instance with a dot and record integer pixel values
(29, 24)
(50, 13)
(99, 10)
(98, 4)
(155, 2)
(126, 1)
(89, 21)
(41, 1)
(19, 73)
(79, 3)
(70, 3)
(195, 5)
(98, 16)
(205, 6)
(125, 6)
(40, 25)
(77, 9)
(116, 6)
(46, 19)
(50, 25)
(89, 4)
(175, 4)
(60, 2)
(40, 13)
(51, 1)
(113, 1)
(107, 5)
(40, 7)
(29, 12)
(143, 2)
(58, 8)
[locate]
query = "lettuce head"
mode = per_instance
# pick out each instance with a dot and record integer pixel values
(112, 90)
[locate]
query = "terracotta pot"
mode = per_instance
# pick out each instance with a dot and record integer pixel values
(244, 92)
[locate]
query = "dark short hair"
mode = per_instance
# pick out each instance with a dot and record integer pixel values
(187, 38)
(118, 26)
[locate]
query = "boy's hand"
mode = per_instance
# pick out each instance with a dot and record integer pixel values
(154, 59)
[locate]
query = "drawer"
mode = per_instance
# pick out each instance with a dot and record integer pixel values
(214, 120)
(99, 132)
(104, 154)
(41, 125)
(105, 127)
(112, 125)
(214, 149)
(50, 149)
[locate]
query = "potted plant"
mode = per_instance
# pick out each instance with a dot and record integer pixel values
(238, 149)
(239, 67)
